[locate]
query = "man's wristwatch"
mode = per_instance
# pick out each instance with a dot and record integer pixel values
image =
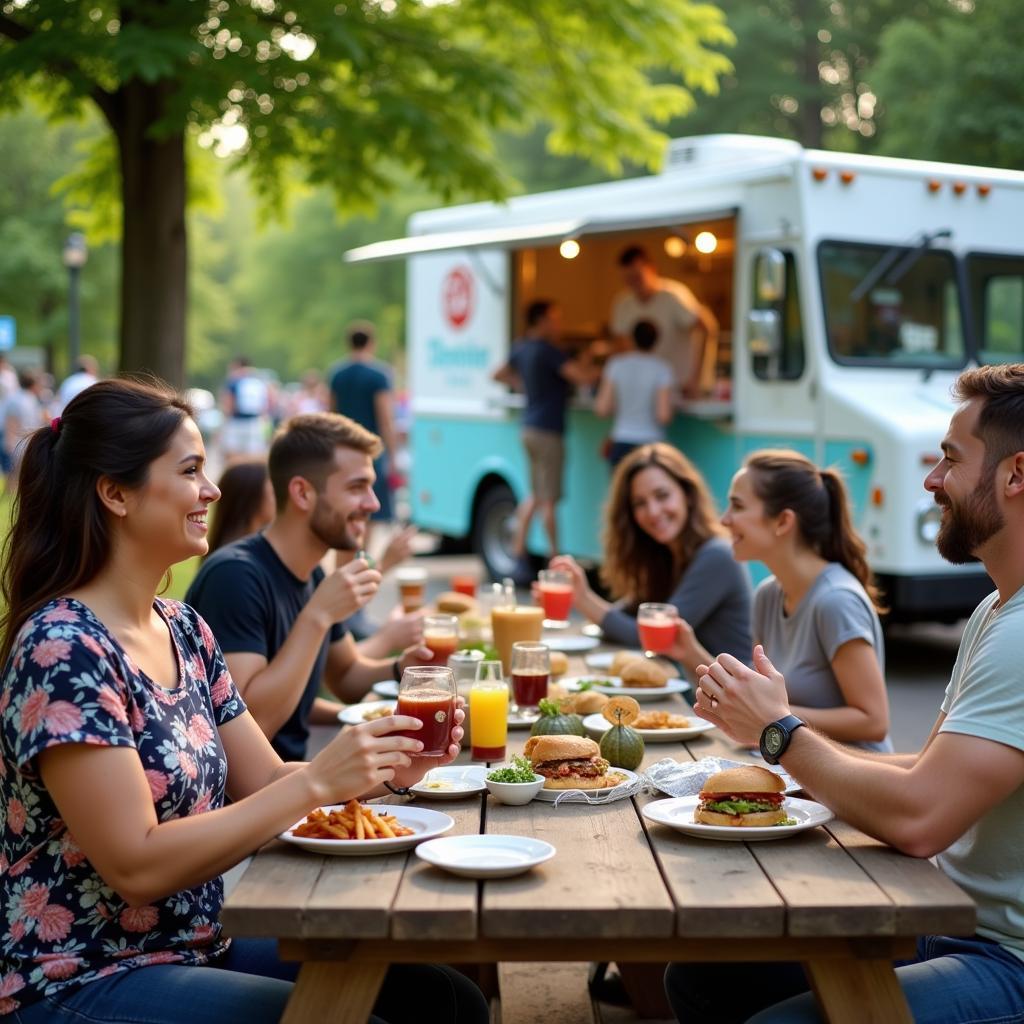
(775, 737)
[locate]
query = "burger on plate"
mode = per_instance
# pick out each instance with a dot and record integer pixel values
(570, 762)
(749, 796)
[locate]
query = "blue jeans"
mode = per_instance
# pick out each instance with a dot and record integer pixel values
(952, 981)
(250, 985)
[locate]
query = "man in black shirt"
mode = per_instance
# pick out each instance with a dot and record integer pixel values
(276, 615)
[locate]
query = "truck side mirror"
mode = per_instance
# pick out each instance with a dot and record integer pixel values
(770, 276)
(764, 333)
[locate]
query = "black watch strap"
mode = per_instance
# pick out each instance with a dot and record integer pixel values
(396, 670)
(397, 790)
(776, 736)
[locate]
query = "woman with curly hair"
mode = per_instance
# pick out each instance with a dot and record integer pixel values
(662, 542)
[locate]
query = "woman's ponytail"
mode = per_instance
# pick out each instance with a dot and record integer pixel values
(842, 543)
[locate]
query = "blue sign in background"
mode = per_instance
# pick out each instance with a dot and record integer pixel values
(8, 333)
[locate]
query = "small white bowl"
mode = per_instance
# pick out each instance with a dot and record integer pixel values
(515, 793)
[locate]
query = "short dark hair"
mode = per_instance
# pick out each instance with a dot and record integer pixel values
(645, 334)
(243, 361)
(304, 446)
(1001, 421)
(537, 310)
(633, 254)
(29, 377)
(360, 334)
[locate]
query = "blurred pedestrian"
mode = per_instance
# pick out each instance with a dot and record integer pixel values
(361, 389)
(84, 374)
(245, 401)
(312, 395)
(22, 413)
(636, 389)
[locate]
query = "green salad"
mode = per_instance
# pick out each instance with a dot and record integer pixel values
(520, 770)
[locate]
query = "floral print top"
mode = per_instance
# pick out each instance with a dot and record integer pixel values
(69, 681)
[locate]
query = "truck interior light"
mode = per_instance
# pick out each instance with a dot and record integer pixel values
(819, 173)
(675, 245)
(959, 188)
(860, 456)
(846, 177)
(706, 243)
(983, 190)
(934, 185)
(569, 249)
(877, 497)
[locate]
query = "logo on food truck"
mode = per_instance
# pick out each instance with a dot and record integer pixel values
(457, 296)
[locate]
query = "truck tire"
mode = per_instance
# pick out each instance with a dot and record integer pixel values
(494, 530)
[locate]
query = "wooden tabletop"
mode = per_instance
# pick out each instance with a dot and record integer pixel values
(624, 888)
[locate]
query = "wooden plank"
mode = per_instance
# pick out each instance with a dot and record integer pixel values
(270, 898)
(927, 902)
(604, 882)
(826, 892)
(858, 992)
(340, 993)
(431, 903)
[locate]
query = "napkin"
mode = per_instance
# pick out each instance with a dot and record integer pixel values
(623, 791)
(687, 778)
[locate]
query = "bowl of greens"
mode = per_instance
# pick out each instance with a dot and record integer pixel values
(514, 783)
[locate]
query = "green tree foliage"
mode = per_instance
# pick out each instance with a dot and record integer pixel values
(954, 90)
(803, 69)
(358, 96)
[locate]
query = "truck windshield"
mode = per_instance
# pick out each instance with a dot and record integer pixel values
(996, 288)
(909, 317)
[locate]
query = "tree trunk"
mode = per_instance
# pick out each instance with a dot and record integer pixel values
(810, 131)
(153, 249)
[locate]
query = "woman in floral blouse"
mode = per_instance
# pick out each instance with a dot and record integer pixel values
(121, 732)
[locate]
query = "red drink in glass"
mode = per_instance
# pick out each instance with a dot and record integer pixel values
(464, 585)
(444, 645)
(556, 601)
(657, 636)
(529, 688)
(436, 710)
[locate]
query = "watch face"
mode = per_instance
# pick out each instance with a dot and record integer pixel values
(774, 737)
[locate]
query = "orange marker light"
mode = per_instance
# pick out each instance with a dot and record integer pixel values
(819, 173)
(877, 497)
(860, 456)
(846, 177)
(934, 186)
(959, 188)
(983, 190)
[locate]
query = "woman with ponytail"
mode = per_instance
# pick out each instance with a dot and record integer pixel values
(817, 615)
(121, 734)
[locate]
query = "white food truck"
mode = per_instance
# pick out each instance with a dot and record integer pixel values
(850, 291)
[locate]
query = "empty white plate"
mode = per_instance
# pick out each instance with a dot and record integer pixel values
(486, 856)
(569, 643)
(386, 688)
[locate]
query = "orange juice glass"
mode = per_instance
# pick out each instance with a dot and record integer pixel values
(488, 713)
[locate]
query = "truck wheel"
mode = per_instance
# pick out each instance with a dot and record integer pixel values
(494, 528)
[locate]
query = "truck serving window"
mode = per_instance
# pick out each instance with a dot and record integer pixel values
(996, 288)
(891, 305)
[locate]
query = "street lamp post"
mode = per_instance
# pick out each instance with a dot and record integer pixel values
(74, 256)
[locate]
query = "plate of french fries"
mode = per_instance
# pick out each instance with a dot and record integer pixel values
(368, 711)
(359, 830)
(654, 726)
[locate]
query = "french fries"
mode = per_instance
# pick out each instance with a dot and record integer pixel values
(356, 821)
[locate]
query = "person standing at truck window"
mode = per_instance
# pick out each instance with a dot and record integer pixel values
(361, 389)
(546, 373)
(636, 389)
(687, 329)
(817, 614)
(662, 542)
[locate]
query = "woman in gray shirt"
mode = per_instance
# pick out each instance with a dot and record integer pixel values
(662, 543)
(817, 615)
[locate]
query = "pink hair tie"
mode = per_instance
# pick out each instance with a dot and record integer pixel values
(55, 424)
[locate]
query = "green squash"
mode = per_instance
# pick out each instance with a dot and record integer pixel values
(553, 721)
(621, 746)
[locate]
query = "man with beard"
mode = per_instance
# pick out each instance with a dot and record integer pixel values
(961, 798)
(276, 615)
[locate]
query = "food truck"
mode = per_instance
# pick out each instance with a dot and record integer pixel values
(850, 291)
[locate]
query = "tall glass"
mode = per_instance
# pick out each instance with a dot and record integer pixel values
(555, 588)
(464, 583)
(412, 586)
(657, 625)
(531, 669)
(488, 713)
(441, 635)
(428, 693)
(512, 623)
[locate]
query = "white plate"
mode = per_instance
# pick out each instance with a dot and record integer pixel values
(425, 825)
(455, 782)
(592, 629)
(551, 795)
(601, 661)
(614, 688)
(386, 688)
(598, 725)
(569, 643)
(486, 856)
(520, 722)
(677, 813)
(353, 714)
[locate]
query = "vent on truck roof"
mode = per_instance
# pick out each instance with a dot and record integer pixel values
(708, 150)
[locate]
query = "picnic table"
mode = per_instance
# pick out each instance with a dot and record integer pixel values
(619, 889)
